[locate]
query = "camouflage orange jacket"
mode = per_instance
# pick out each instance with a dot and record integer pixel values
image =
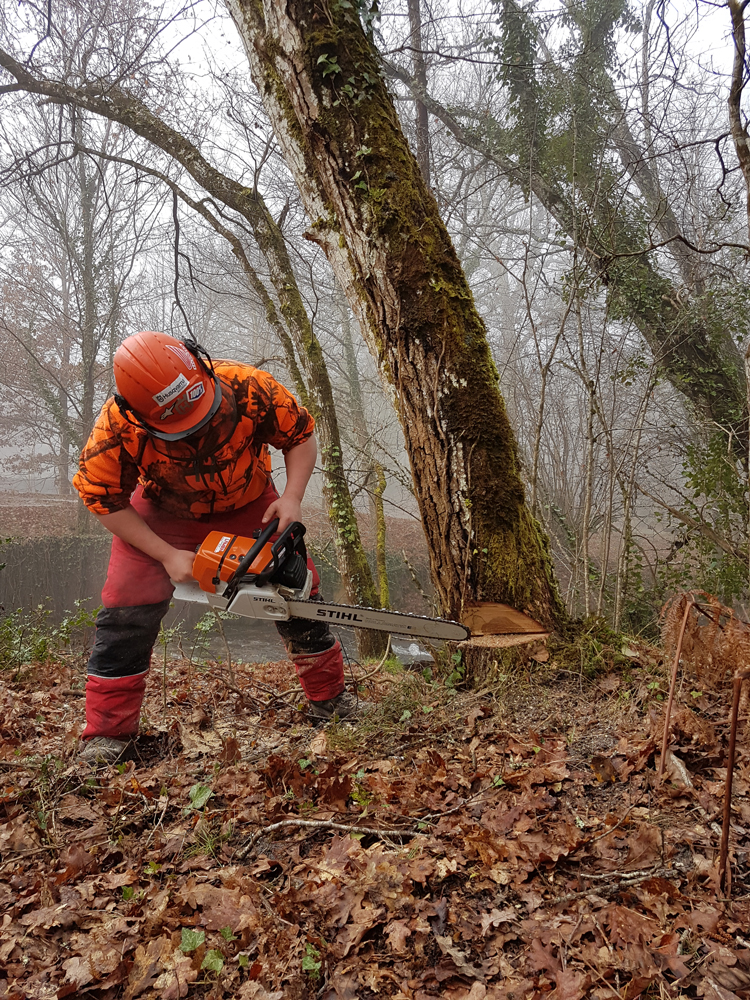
(226, 467)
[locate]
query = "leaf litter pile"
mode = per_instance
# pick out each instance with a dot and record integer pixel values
(510, 843)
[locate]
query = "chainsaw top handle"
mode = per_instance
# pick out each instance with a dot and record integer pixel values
(286, 545)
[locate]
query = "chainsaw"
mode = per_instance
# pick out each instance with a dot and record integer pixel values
(267, 578)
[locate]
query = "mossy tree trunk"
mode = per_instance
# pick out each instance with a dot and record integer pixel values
(697, 356)
(319, 78)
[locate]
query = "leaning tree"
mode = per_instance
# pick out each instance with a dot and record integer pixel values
(319, 76)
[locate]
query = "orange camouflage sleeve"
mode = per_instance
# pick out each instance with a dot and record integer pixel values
(281, 421)
(107, 475)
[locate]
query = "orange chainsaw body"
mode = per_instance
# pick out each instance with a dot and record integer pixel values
(220, 554)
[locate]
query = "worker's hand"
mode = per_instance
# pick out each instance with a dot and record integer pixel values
(287, 509)
(179, 565)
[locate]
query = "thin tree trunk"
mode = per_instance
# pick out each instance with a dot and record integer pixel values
(623, 562)
(380, 534)
(90, 314)
(544, 370)
(63, 468)
(420, 78)
(589, 479)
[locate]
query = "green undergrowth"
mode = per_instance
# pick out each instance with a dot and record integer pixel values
(589, 646)
(412, 699)
(29, 636)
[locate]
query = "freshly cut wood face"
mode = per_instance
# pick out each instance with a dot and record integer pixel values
(536, 640)
(489, 618)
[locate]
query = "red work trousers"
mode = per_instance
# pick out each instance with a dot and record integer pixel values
(136, 597)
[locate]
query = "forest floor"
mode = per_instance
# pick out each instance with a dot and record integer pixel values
(508, 843)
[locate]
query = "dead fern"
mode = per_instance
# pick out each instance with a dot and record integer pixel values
(716, 643)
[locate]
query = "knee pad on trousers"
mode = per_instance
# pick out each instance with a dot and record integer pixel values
(321, 674)
(302, 636)
(124, 639)
(118, 666)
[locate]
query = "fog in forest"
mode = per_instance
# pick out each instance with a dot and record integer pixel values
(584, 162)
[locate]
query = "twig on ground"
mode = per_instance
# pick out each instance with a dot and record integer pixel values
(380, 665)
(158, 822)
(612, 889)
(14, 855)
(320, 824)
(610, 830)
(273, 912)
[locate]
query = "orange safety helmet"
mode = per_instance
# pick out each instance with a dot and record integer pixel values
(166, 384)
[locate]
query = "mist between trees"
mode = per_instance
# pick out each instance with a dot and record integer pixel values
(584, 160)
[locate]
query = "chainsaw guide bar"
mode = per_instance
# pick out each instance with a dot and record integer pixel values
(267, 578)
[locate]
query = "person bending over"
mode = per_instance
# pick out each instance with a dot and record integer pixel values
(181, 450)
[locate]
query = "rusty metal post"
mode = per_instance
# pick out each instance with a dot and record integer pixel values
(672, 685)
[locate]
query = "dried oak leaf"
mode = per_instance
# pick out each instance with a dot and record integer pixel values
(221, 907)
(458, 957)
(76, 860)
(344, 986)
(397, 931)
(231, 752)
(77, 809)
(570, 985)
(93, 966)
(18, 835)
(148, 963)
(61, 915)
(496, 917)
(730, 978)
(711, 990)
(175, 981)
(644, 847)
(254, 991)
(541, 957)
(363, 918)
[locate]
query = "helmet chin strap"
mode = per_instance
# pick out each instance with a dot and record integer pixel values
(130, 415)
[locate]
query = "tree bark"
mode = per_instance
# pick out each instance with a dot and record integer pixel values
(736, 90)
(319, 78)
